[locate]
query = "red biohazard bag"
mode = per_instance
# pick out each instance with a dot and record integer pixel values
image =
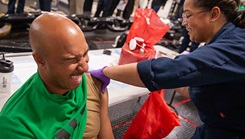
(146, 30)
(155, 120)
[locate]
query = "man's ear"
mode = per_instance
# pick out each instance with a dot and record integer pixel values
(39, 60)
(215, 13)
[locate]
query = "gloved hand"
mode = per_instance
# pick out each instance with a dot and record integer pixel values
(99, 75)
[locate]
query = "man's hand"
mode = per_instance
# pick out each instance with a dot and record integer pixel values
(100, 75)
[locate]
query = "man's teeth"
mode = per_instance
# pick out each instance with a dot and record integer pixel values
(75, 77)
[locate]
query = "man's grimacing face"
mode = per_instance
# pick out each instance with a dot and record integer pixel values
(65, 67)
(60, 51)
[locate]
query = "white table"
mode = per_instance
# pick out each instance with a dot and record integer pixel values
(118, 92)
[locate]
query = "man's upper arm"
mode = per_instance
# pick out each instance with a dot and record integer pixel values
(105, 123)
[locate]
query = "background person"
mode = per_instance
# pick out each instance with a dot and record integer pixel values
(45, 5)
(60, 100)
(87, 8)
(76, 7)
(156, 4)
(20, 6)
(215, 72)
(114, 5)
(102, 7)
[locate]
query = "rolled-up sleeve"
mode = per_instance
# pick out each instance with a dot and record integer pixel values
(206, 65)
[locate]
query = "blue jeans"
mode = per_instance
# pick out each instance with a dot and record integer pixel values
(20, 7)
(103, 5)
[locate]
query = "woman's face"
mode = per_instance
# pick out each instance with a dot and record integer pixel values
(196, 21)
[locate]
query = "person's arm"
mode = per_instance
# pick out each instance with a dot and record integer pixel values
(105, 123)
(127, 73)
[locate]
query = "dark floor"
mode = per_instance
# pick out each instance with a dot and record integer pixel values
(121, 115)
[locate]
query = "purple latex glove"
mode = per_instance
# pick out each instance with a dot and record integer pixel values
(100, 75)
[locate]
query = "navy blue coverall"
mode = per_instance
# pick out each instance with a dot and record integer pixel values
(215, 74)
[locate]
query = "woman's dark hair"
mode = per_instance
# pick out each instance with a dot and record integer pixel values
(228, 7)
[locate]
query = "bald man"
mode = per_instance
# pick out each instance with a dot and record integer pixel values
(60, 100)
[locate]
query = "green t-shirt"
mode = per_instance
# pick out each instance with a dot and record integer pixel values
(32, 112)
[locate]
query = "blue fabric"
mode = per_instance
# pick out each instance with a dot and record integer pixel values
(45, 5)
(103, 5)
(20, 7)
(207, 132)
(216, 76)
(156, 4)
(155, 7)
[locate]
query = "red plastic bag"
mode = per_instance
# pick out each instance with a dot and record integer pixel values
(155, 120)
(148, 27)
